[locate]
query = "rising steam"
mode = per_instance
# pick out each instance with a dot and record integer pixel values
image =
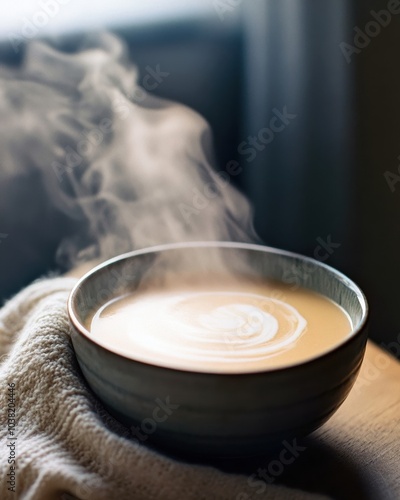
(131, 169)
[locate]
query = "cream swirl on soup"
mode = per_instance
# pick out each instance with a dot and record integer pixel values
(220, 325)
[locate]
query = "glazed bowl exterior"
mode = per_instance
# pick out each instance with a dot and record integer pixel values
(216, 414)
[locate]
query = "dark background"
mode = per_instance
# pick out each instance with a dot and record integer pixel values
(321, 177)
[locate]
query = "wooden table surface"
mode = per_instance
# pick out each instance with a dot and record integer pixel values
(356, 454)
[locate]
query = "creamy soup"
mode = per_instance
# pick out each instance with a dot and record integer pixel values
(221, 325)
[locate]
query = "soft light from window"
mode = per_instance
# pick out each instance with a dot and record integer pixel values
(27, 19)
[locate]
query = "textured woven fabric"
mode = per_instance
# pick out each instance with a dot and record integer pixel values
(65, 444)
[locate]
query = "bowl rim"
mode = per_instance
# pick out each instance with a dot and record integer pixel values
(356, 332)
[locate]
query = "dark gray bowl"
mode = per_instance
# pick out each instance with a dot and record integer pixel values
(218, 414)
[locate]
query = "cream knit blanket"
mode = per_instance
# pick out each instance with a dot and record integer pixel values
(64, 445)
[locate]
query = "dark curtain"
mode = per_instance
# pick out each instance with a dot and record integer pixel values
(323, 175)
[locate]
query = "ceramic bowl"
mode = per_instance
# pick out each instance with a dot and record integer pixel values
(217, 414)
